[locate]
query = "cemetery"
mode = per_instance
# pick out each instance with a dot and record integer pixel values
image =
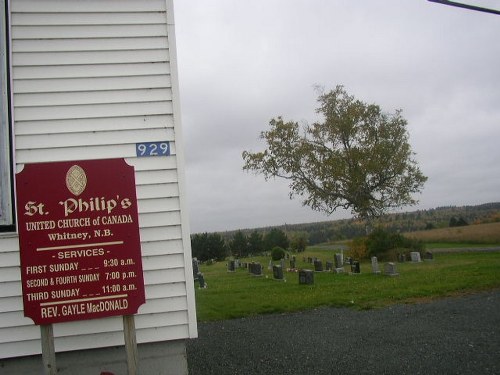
(322, 277)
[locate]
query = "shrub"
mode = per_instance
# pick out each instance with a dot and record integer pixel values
(277, 253)
(358, 249)
(383, 244)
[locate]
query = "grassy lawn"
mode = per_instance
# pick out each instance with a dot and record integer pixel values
(239, 294)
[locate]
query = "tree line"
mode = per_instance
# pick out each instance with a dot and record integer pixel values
(207, 246)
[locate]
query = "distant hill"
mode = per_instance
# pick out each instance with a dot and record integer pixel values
(440, 217)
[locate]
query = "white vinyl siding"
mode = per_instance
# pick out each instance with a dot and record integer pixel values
(90, 80)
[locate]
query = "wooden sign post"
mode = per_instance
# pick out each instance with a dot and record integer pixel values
(48, 350)
(130, 344)
(80, 246)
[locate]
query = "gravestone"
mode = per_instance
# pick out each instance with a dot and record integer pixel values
(348, 260)
(196, 268)
(401, 257)
(390, 269)
(201, 280)
(329, 265)
(231, 266)
(282, 264)
(270, 265)
(318, 265)
(306, 277)
(256, 269)
(278, 272)
(338, 261)
(428, 256)
(292, 263)
(355, 269)
(375, 268)
(415, 256)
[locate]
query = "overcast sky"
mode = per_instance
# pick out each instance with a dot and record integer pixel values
(242, 63)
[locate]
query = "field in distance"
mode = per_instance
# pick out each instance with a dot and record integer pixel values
(486, 234)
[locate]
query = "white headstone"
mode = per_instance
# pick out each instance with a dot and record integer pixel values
(415, 256)
(390, 269)
(375, 268)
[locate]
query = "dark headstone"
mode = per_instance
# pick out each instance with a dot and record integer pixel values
(428, 256)
(255, 268)
(355, 267)
(278, 272)
(318, 265)
(329, 265)
(201, 280)
(306, 277)
(231, 266)
(292, 263)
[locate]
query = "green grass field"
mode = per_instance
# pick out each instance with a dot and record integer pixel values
(239, 294)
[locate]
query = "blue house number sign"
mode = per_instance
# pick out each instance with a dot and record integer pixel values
(152, 149)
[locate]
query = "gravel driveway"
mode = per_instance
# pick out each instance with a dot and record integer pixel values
(458, 335)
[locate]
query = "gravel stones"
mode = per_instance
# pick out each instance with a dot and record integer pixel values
(456, 335)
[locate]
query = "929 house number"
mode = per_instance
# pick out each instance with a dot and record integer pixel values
(147, 149)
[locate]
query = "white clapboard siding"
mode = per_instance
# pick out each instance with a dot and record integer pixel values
(93, 125)
(9, 273)
(80, 32)
(89, 57)
(47, 85)
(162, 247)
(90, 80)
(92, 71)
(167, 190)
(77, 45)
(92, 97)
(10, 259)
(93, 19)
(156, 219)
(8, 304)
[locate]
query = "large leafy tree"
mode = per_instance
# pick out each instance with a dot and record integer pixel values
(358, 157)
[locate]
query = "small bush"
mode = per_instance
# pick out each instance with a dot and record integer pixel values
(277, 253)
(358, 249)
(385, 245)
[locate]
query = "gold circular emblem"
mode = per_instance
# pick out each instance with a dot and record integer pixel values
(76, 180)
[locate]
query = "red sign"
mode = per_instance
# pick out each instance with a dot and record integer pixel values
(79, 240)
